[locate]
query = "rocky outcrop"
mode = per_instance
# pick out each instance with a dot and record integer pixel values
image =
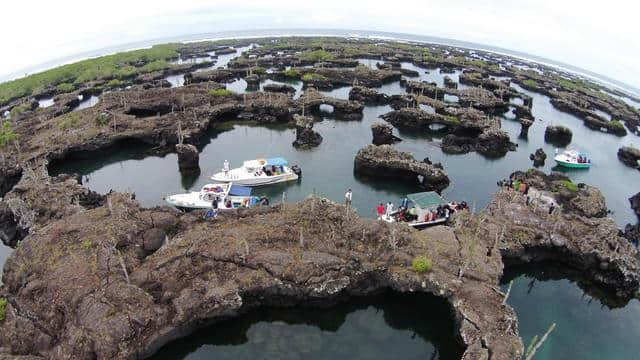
(580, 239)
(492, 143)
(253, 82)
(538, 157)
(343, 109)
(525, 124)
(188, 158)
(385, 162)
(383, 134)
(468, 130)
(25, 209)
(449, 83)
(629, 156)
(635, 204)
(10, 174)
(191, 281)
(280, 88)
(558, 135)
(368, 96)
(306, 137)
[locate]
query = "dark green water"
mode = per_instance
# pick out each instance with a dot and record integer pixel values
(378, 327)
(585, 329)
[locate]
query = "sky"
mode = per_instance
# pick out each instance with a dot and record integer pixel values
(600, 36)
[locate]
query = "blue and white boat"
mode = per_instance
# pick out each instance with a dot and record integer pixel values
(259, 172)
(222, 196)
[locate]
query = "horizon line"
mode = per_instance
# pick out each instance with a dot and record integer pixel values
(311, 32)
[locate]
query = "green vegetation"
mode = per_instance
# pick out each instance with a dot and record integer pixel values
(221, 92)
(618, 124)
(362, 68)
(87, 244)
(569, 185)
(70, 121)
(65, 88)
(316, 55)
(114, 83)
(3, 309)
(292, 73)
(116, 66)
(516, 185)
(452, 119)
(530, 83)
(19, 109)
(7, 136)
(313, 77)
(102, 119)
(258, 70)
(421, 264)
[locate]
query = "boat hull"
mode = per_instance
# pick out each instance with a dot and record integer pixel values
(256, 180)
(573, 165)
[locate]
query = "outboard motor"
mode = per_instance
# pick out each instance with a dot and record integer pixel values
(296, 170)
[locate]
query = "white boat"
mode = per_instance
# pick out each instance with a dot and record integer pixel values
(259, 172)
(223, 196)
(420, 213)
(573, 159)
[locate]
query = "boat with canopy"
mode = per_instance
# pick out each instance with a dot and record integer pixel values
(259, 172)
(221, 196)
(424, 209)
(573, 159)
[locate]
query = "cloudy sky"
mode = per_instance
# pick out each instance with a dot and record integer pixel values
(600, 36)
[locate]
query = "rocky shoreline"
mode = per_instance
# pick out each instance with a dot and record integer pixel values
(99, 276)
(180, 281)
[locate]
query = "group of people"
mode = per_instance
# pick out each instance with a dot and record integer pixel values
(383, 210)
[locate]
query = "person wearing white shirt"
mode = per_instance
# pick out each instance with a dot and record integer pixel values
(389, 208)
(347, 198)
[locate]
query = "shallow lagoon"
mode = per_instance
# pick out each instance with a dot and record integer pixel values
(585, 327)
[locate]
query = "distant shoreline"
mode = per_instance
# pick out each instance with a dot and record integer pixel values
(365, 34)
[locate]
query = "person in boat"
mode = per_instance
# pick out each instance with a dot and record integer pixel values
(214, 203)
(266, 171)
(380, 210)
(228, 204)
(405, 203)
(225, 167)
(347, 198)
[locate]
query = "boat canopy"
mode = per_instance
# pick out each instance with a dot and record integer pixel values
(277, 161)
(427, 199)
(237, 190)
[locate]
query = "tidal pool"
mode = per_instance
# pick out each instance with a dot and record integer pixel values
(586, 327)
(377, 327)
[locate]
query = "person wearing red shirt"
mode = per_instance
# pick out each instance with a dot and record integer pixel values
(380, 210)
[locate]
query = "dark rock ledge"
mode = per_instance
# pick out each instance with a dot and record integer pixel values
(385, 162)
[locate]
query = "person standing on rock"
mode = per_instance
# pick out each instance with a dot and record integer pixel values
(389, 208)
(347, 198)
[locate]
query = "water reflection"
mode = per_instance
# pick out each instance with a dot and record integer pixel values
(378, 327)
(588, 327)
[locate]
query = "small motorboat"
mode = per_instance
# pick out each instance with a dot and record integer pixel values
(259, 172)
(573, 159)
(222, 196)
(424, 209)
